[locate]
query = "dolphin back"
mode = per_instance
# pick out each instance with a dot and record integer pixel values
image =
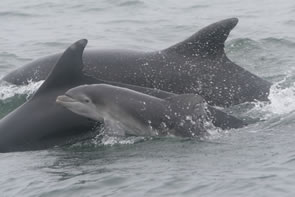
(187, 115)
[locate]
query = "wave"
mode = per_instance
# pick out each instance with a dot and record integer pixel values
(106, 139)
(7, 55)
(277, 42)
(17, 14)
(269, 58)
(281, 96)
(246, 44)
(241, 44)
(9, 90)
(60, 44)
(12, 96)
(290, 22)
(131, 3)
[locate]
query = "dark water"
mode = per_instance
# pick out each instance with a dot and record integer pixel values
(258, 160)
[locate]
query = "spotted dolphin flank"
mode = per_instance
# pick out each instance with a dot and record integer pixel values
(196, 65)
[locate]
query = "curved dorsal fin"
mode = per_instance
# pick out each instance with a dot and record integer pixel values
(68, 67)
(208, 41)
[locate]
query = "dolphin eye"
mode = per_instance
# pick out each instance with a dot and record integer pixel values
(86, 100)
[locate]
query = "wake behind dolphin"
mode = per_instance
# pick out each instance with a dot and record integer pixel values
(135, 113)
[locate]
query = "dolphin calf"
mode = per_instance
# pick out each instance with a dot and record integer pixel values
(40, 123)
(135, 113)
(196, 65)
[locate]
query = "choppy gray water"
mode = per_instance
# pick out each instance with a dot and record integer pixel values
(258, 160)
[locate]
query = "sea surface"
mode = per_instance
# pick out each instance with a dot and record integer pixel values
(258, 160)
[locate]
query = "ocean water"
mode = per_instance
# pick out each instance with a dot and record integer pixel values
(258, 160)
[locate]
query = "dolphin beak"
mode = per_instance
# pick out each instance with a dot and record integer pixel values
(64, 99)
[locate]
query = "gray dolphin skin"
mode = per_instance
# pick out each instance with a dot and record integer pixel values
(135, 113)
(40, 122)
(198, 65)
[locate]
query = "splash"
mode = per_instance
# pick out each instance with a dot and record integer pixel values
(113, 140)
(8, 90)
(282, 100)
(213, 132)
(106, 138)
(103, 139)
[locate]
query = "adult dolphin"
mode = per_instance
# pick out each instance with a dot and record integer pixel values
(40, 123)
(128, 112)
(196, 65)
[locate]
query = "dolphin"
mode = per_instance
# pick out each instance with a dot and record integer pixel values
(197, 65)
(40, 123)
(128, 112)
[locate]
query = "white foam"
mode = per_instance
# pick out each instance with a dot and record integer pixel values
(8, 90)
(282, 101)
(214, 132)
(103, 139)
(113, 140)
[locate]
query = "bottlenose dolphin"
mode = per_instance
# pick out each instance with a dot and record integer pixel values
(197, 65)
(40, 123)
(128, 112)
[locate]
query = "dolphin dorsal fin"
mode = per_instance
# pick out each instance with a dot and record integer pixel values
(208, 41)
(68, 67)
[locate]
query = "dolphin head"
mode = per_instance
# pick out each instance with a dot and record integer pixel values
(81, 100)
